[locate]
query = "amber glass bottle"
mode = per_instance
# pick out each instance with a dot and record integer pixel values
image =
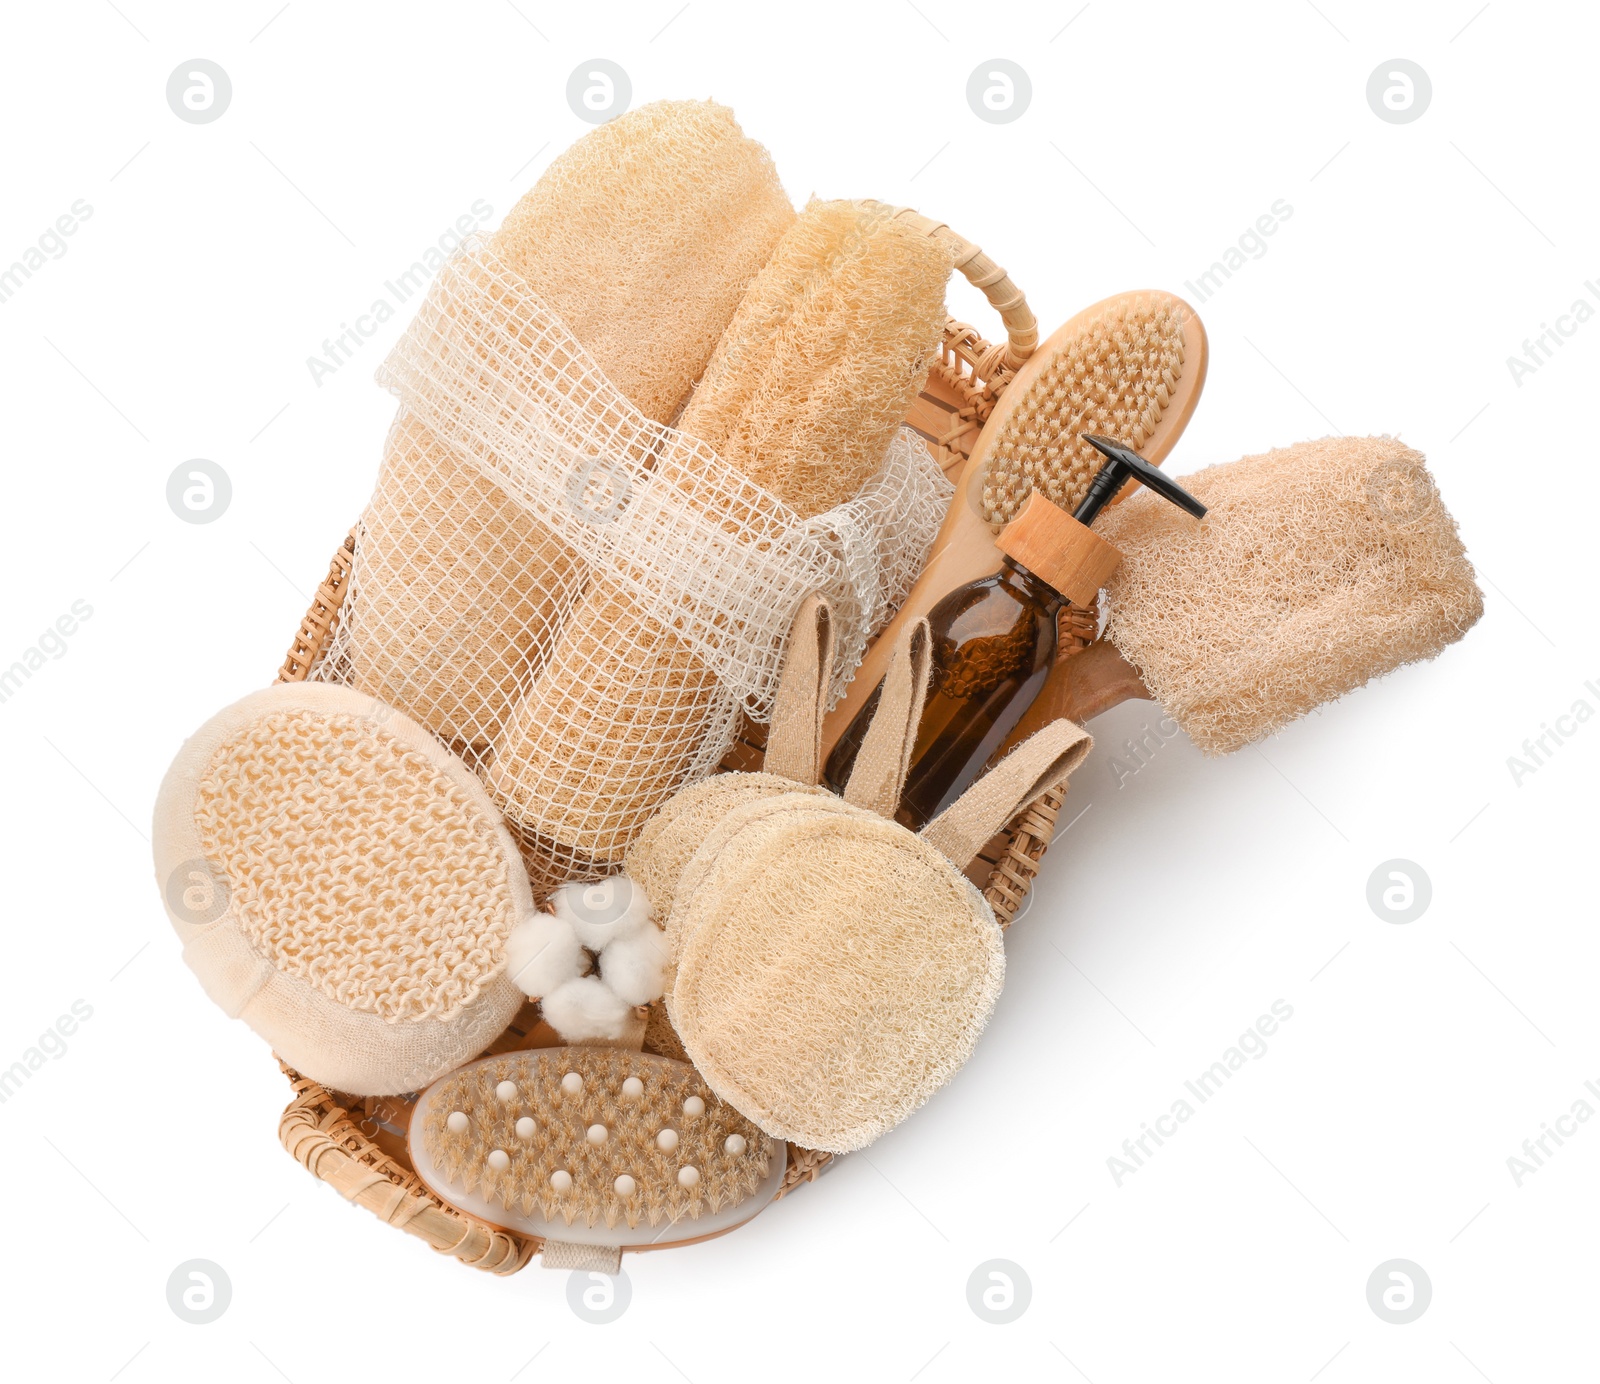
(994, 641)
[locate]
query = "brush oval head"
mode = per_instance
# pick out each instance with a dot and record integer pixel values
(592, 1145)
(1130, 367)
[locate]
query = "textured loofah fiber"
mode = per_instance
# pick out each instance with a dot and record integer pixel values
(824, 355)
(1115, 378)
(561, 1142)
(833, 970)
(655, 861)
(1319, 567)
(803, 395)
(460, 589)
(362, 886)
(642, 237)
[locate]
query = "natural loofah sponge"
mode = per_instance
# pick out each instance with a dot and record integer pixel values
(804, 393)
(592, 1138)
(362, 887)
(642, 238)
(833, 970)
(458, 589)
(1318, 567)
(1115, 377)
(825, 354)
(656, 860)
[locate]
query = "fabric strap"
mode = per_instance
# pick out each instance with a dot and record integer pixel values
(1041, 762)
(794, 744)
(885, 755)
(563, 1254)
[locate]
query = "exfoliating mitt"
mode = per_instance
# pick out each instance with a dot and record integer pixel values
(642, 237)
(1317, 568)
(343, 884)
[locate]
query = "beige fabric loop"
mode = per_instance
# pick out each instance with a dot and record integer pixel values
(565, 1255)
(1042, 761)
(794, 745)
(885, 755)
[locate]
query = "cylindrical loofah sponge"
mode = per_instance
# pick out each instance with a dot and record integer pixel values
(1318, 567)
(458, 589)
(803, 394)
(642, 237)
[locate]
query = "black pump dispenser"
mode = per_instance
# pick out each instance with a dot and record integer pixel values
(994, 641)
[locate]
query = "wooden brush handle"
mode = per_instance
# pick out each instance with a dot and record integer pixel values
(1079, 687)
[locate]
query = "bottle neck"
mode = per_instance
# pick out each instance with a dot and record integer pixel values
(1015, 575)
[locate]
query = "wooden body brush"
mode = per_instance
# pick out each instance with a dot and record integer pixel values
(1132, 366)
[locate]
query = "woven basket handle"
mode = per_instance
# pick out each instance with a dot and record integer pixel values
(1040, 763)
(794, 743)
(884, 759)
(1022, 327)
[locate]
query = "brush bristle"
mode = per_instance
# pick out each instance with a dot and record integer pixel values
(560, 1142)
(1115, 377)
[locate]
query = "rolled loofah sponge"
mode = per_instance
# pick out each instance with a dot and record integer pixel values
(1318, 567)
(642, 237)
(804, 393)
(825, 354)
(458, 589)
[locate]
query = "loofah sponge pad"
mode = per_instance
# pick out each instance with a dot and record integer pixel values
(596, 1115)
(364, 888)
(644, 235)
(457, 592)
(1319, 567)
(825, 354)
(657, 858)
(833, 970)
(1114, 378)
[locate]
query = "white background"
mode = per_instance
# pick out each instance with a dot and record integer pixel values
(1175, 911)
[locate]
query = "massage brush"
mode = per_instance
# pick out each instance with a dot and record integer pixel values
(342, 883)
(1132, 365)
(642, 237)
(592, 1146)
(803, 395)
(1318, 568)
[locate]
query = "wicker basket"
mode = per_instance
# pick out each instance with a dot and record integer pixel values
(357, 1144)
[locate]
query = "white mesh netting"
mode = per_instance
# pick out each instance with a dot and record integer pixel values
(518, 486)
